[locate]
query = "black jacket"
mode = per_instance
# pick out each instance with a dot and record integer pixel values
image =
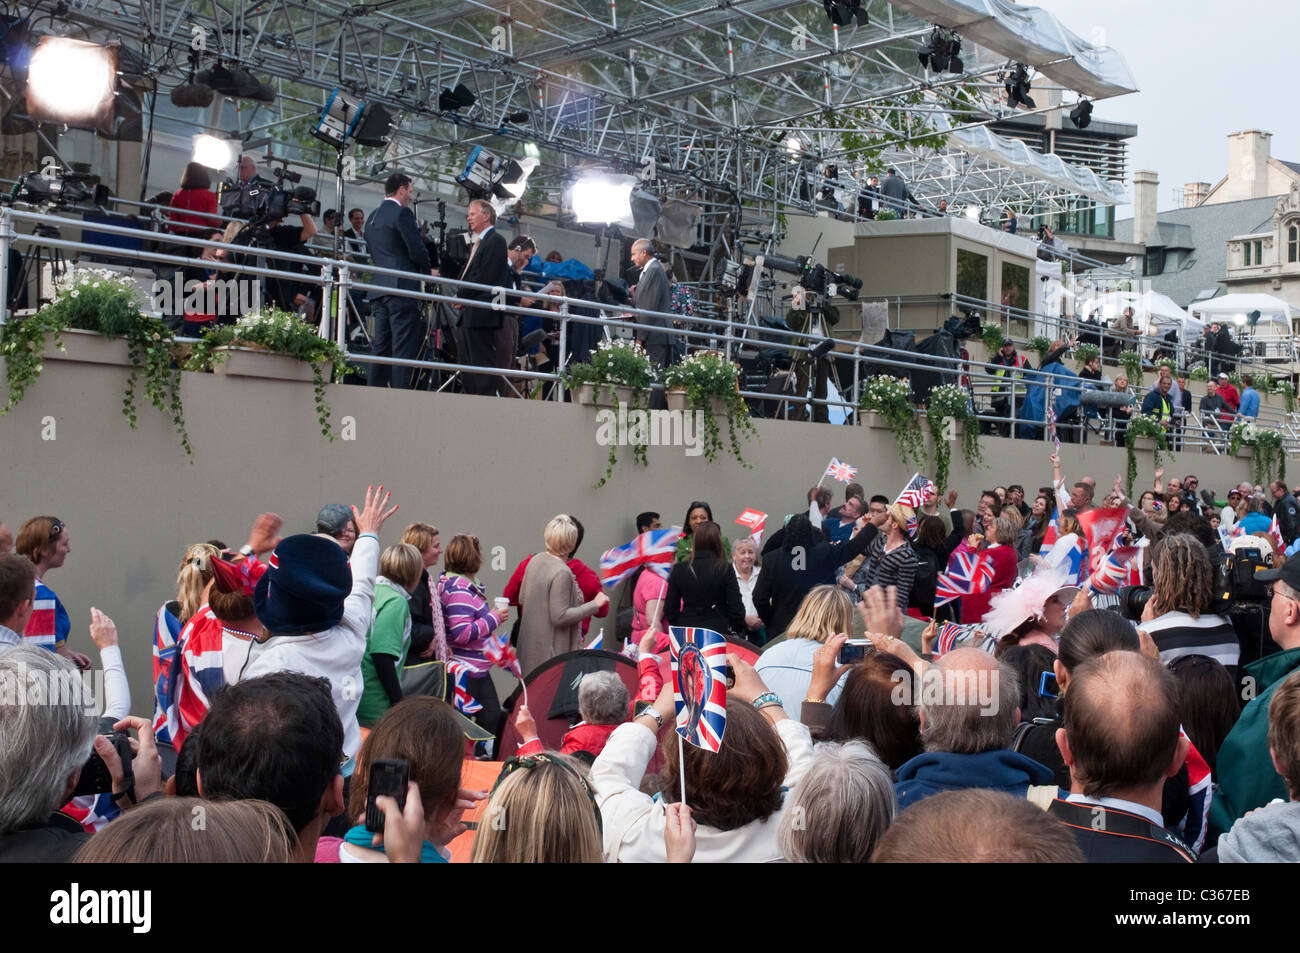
(787, 576)
(1287, 511)
(393, 240)
(421, 604)
(705, 593)
(490, 265)
(53, 842)
(1108, 835)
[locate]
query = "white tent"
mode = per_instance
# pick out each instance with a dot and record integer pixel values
(1153, 313)
(1233, 307)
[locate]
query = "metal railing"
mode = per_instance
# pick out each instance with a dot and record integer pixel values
(999, 400)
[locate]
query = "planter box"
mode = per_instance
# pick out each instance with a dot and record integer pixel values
(89, 347)
(249, 362)
(718, 406)
(1143, 443)
(611, 395)
(959, 427)
(1245, 451)
(585, 394)
(874, 420)
(677, 400)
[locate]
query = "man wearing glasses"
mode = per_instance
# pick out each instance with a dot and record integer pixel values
(45, 541)
(1247, 779)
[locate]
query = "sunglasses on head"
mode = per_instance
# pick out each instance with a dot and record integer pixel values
(56, 530)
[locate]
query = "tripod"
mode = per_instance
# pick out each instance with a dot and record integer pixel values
(37, 257)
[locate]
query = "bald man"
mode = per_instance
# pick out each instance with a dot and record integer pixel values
(1121, 740)
(968, 708)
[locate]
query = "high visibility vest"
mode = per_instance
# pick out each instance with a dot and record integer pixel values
(1017, 389)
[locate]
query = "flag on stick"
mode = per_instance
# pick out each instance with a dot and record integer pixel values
(699, 664)
(654, 548)
(841, 471)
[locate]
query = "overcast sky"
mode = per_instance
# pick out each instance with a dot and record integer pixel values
(1202, 73)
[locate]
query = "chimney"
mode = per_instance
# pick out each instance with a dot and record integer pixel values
(1144, 204)
(1194, 193)
(1248, 163)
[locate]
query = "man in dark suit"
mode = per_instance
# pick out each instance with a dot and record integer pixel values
(393, 240)
(488, 265)
(1121, 740)
(652, 294)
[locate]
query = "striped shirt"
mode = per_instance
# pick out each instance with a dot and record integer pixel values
(470, 622)
(1177, 634)
(894, 568)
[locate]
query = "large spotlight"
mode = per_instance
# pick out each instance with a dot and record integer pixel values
(477, 175)
(1081, 114)
(454, 100)
(940, 52)
(603, 198)
(376, 127)
(845, 12)
(72, 81)
(212, 153)
(1016, 84)
(339, 119)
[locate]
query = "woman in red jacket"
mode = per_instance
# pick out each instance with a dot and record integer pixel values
(194, 196)
(1001, 552)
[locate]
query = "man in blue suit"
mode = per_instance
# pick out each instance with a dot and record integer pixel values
(393, 240)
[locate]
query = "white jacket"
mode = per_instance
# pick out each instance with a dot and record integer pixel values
(634, 822)
(335, 653)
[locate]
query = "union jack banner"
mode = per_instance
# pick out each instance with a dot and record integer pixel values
(948, 634)
(838, 470)
(1116, 571)
(167, 628)
(465, 703)
(654, 549)
(919, 490)
(699, 664)
(968, 573)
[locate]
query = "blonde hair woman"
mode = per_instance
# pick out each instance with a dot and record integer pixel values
(192, 578)
(542, 811)
(551, 607)
(786, 665)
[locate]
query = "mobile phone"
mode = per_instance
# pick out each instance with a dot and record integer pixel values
(388, 776)
(95, 778)
(854, 651)
(731, 677)
(1047, 686)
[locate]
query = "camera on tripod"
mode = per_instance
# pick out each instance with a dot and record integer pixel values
(260, 200)
(817, 279)
(55, 188)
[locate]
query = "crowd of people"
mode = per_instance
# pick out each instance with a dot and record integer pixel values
(996, 722)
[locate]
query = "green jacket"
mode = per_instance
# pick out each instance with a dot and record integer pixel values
(1246, 776)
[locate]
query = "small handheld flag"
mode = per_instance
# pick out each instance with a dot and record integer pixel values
(968, 574)
(1051, 429)
(654, 548)
(699, 664)
(754, 521)
(841, 471)
(919, 491)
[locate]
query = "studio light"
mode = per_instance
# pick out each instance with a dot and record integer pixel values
(973, 212)
(603, 198)
(211, 152)
(72, 81)
(793, 146)
(192, 95)
(940, 52)
(1081, 114)
(339, 119)
(518, 116)
(1017, 87)
(531, 150)
(476, 177)
(454, 100)
(845, 12)
(376, 126)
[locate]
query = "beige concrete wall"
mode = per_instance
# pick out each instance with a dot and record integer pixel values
(498, 468)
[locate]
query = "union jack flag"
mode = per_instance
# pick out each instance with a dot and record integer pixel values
(1049, 538)
(92, 811)
(167, 628)
(699, 664)
(838, 470)
(919, 490)
(948, 634)
(968, 573)
(1116, 571)
(465, 703)
(199, 672)
(654, 549)
(502, 654)
(1069, 554)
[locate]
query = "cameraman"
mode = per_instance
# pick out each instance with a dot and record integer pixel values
(284, 292)
(1175, 616)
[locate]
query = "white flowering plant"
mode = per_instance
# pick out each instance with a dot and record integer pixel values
(949, 400)
(708, 374)
(616, 362)
(1270, 453)
(891, 397)
(280, 332)
(96, 299)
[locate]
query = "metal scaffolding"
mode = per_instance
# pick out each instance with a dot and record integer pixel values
(738, 106)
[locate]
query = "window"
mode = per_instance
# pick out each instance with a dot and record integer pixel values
(1293, 243)
(972, 275)
(1259, 253)
(1245, 254)
(1015, 286)
(1154, 263)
